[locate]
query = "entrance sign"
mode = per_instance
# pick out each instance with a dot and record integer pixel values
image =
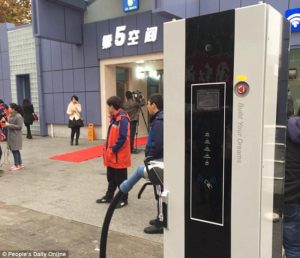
(131, 38)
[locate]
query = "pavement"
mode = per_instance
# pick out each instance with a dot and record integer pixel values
(50, 205)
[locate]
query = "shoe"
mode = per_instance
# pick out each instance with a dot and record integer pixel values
(121, 204)
(154, 230)
(71, 143)
(76, 142)
(21, 166)
(272, 216)
(104, 199)
(155, 222)
(29, 137)
(13, 168)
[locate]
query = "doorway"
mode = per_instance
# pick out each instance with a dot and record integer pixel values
(23, 88)
(122, 81)
(137, 73)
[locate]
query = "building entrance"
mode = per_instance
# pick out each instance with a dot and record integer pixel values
(140, 73)
(23, 88)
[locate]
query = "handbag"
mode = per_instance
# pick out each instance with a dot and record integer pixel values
(35, 117)
(76, 123)
(80, 122)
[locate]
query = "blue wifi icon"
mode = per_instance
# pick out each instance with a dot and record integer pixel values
(293, 16)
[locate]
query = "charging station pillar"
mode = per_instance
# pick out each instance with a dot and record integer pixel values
(225, 104)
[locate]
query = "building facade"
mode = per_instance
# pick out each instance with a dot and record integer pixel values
(95, 49)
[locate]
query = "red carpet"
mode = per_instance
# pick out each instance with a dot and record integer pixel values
(90, 153)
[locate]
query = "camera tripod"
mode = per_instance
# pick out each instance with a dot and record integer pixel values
(140, 111)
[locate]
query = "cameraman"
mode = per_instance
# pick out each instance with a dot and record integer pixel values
(132, 107)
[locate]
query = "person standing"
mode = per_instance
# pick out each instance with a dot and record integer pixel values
(14, 137)
(132, 108)
(28, 118)
(116, 152)
(154, 149)
(291, 219)
(75, 121)
(3, 117)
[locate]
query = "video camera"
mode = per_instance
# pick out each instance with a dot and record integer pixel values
(137, 96)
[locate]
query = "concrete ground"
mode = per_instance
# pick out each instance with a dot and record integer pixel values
(50, 205)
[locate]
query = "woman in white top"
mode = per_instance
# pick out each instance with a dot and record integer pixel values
(75, 120)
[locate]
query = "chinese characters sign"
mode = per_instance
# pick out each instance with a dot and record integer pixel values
(130, 38)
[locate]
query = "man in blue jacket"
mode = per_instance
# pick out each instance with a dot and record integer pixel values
(154, 147)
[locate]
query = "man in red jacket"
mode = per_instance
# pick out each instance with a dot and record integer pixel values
(116, 153)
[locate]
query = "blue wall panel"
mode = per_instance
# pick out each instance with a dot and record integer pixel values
(74, 21)
(116, 51)
(102, 29)
(209, 6)
(130, 22)
(158, 21)
(78, 59)
(3, 38)
(7, 91)
(90, 45)
(92, 79)
(281, 6)
(57, 81)
(229, 4)
(192, 8)
(295, 39)
(51, 19)
(67, 59)
(143, 21)
(175, 7)
(79, 80)
(47, 82)
(59, 108)
(68, 81)
(49, 108)
(56, 55)
(93, 107)
(56, 20)
(248, 2)
(1, 89)
(67, 98)
(1, 72)
(5, 66)
(178, 7)
(46, 55)
(294, 4)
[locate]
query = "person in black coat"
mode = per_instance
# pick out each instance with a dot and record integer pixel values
(28, 118)
(291, 221)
